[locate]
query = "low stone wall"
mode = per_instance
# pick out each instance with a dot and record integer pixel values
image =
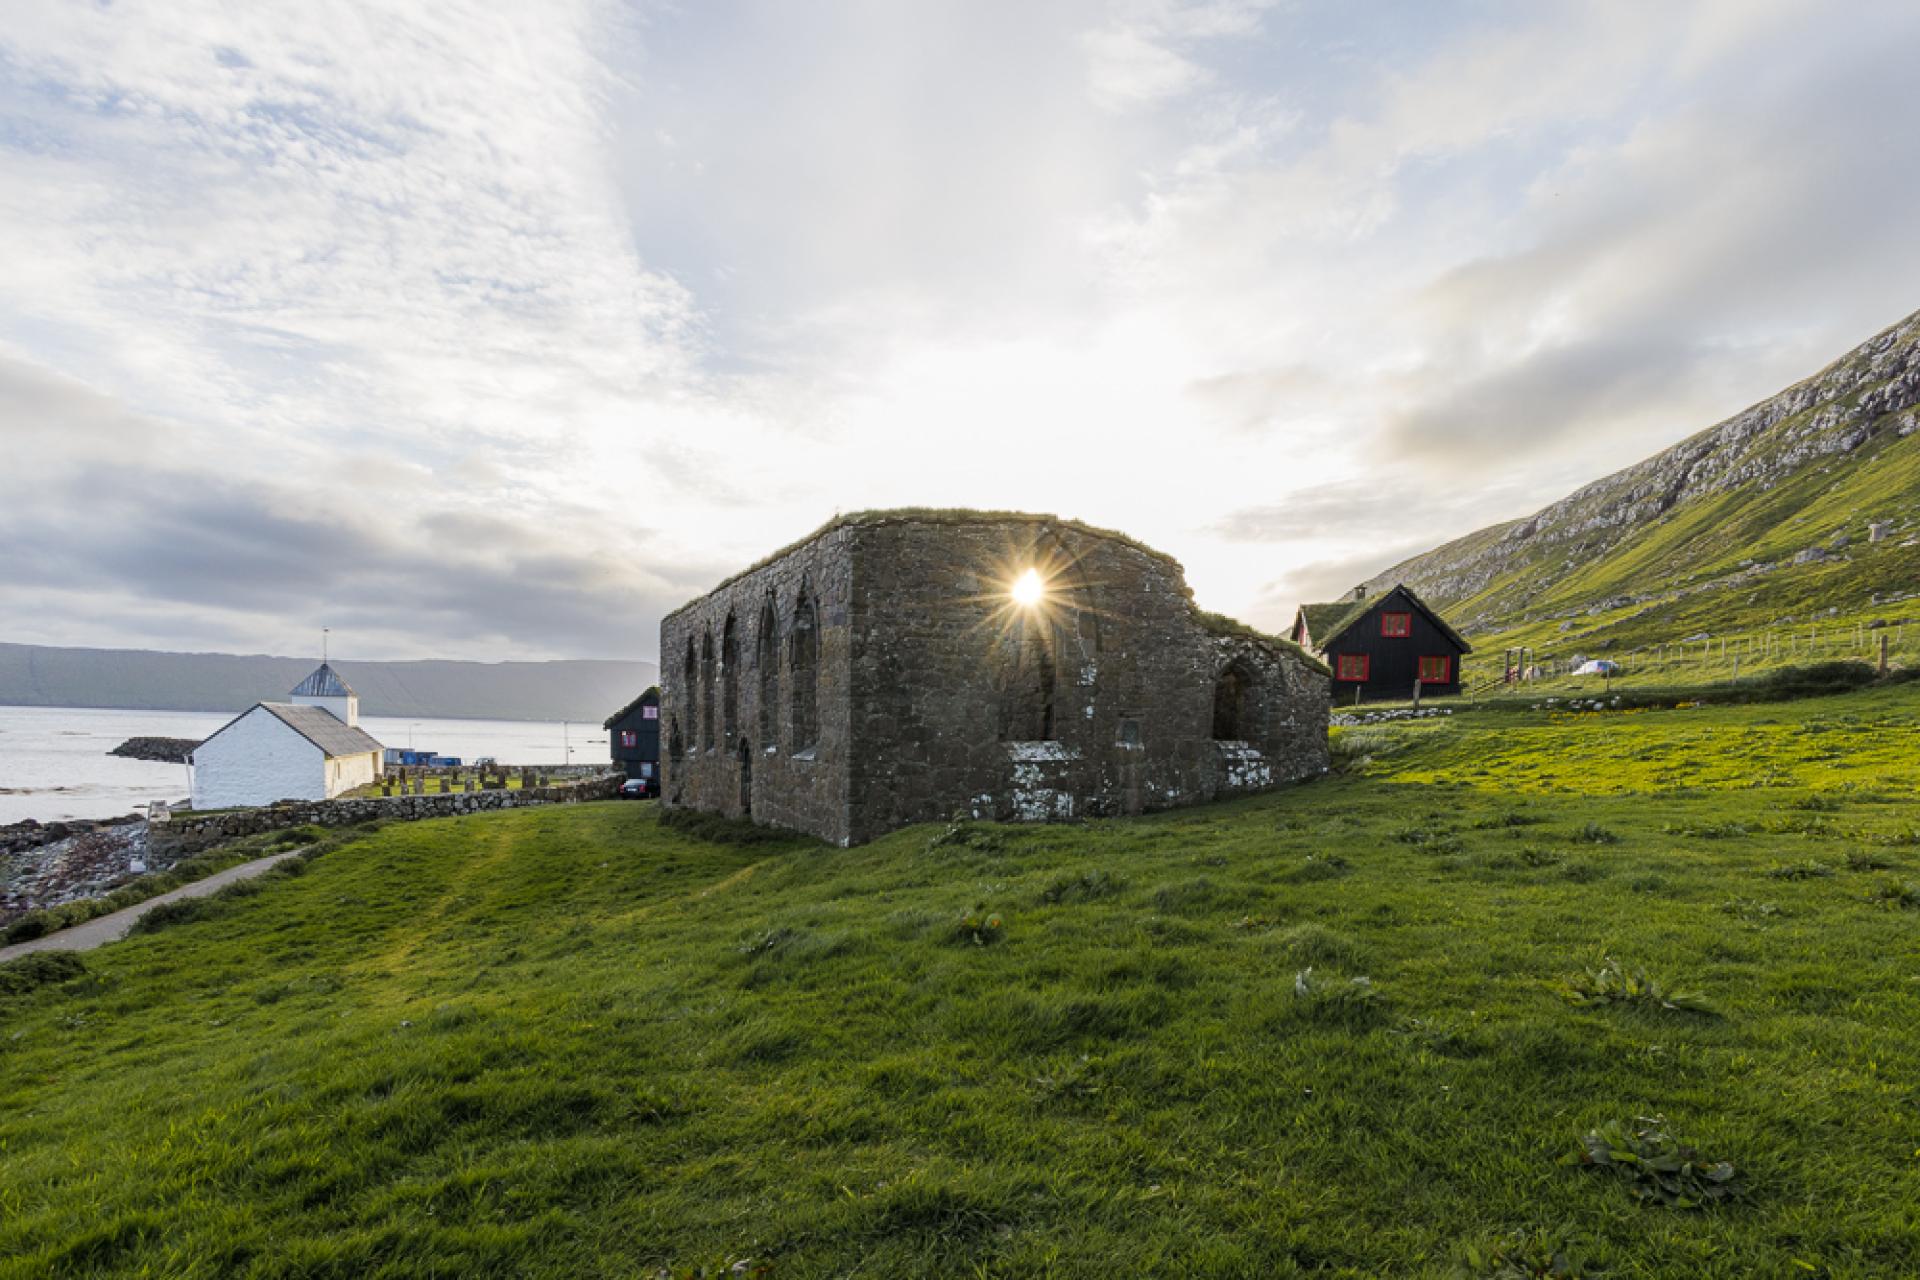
(189, 833)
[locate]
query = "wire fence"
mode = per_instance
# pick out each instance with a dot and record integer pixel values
(1695, 659)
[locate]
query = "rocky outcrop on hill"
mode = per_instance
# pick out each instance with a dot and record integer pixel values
(163, 750)
(1849, 411)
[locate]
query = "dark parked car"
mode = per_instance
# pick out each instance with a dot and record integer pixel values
(636, 789)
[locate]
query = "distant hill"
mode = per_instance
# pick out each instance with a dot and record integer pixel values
(1766, 519)
(139, 679)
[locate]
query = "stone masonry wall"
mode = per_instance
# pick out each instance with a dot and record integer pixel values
(189, 834)
(936, 695)
(752, 765)
(1132, 685)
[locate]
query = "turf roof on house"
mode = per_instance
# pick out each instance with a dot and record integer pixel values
(1326, 622)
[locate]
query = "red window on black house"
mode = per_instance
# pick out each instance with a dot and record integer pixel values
(1436, 670)
(1396, 626)
(629, 738)
(1351, 666)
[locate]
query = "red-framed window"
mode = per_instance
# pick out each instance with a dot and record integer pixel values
(1437, 670)
(628, 738)
(1396, 626)
(1351, 666)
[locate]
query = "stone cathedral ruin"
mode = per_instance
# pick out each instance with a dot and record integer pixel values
(904, 666)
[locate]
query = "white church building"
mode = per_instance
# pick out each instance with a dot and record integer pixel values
(311, 748)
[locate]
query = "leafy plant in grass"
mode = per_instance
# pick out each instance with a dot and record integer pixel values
(1818, 803)
(1594, 833)
(1510, 818)
(1863, 860)
(961, 833)
(1430, 839)
(1811, 869)
(1709, 830)
(1657, 1167)
(1079, 1080)
(1536, 857)
(1752, 909)
(1614, 983)
(1325, 866)
(1085, 887)
(1897, 895)
(1524, 1255)
(726, 1268)
(979, 927)
(1321, 991)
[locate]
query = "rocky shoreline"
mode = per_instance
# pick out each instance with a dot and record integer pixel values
(16, 837)
(159, 750)
(89, 860)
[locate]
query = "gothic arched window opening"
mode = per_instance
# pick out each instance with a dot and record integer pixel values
(805, 675)
(1026, 685)
(767, 659)
(730, 681)
(706, 692)
(1236, 704)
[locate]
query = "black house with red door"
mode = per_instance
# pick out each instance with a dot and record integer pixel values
(633, 737)
(1379, 646)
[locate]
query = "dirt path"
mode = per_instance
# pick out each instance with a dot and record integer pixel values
(111, 928)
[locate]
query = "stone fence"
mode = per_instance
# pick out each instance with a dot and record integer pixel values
(190, 832)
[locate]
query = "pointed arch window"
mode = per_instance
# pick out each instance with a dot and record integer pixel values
(1026, 683)
(804, 675)
(690, 686)
(767, 662)
(706, 692)
(1237, 704)
(730, 681)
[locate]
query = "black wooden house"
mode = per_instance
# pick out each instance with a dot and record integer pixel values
(1379, 646)
(633, 734)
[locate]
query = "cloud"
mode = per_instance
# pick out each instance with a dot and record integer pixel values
(504, 326)
(281, 553)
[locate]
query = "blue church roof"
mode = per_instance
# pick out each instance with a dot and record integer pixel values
(322, 684)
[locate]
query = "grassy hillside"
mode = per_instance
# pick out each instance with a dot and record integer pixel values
(569, 1042)
(1760, 523)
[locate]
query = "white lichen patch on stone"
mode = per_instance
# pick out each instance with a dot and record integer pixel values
(1243, 767)
(1038, 769)
(1041, 752)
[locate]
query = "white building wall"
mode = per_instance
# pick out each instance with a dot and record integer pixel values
(256, 760)
(345, 709)
(344, 773)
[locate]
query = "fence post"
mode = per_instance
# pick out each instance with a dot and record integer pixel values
(1883, 653)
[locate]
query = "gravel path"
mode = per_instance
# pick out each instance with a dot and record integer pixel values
(85, 937)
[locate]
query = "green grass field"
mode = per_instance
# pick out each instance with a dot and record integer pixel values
(570, 1042)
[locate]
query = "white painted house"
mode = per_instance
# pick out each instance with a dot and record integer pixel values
(312, 748)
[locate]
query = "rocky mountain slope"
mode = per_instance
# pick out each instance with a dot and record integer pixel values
(1806, 503)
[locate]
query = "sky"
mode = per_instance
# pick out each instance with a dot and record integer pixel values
(496, 328)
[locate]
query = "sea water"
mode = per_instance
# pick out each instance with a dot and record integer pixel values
(54, 763)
